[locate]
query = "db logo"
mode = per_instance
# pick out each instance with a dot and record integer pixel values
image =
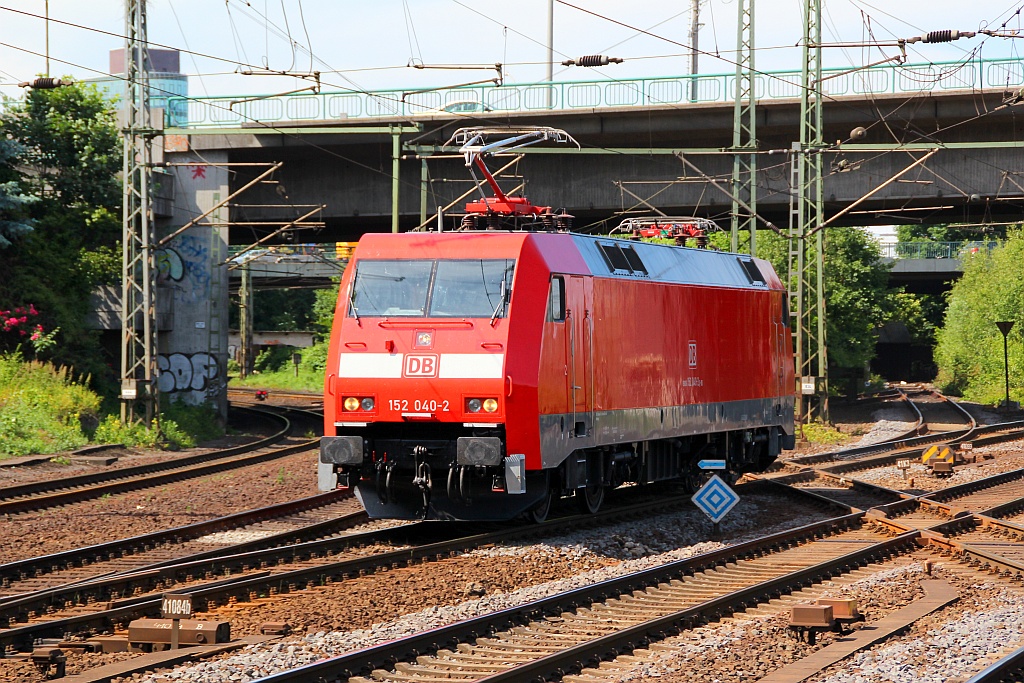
(693, 354)
(420, 366)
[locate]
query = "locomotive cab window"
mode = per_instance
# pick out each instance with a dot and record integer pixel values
(556, 300)
(445, 288)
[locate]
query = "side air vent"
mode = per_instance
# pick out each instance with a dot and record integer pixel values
(752, 271)
(622, 258)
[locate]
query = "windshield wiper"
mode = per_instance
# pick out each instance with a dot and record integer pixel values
(501, 302)
(352, 301)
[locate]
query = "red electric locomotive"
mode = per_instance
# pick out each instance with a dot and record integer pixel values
(478, 375)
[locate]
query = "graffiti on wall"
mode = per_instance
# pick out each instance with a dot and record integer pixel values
(185, 268)
(188, 372)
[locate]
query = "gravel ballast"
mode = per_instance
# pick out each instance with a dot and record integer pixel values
(578, 559)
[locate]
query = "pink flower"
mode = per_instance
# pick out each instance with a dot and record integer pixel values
(23, 319)
(35, 335)
(22, 332)
(32, 309)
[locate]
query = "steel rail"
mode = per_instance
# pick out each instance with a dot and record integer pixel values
(266, 583)
(833, 455)
(788, 483)
(144, 476)
(31, 488)
(156, 576)
(1009, 669)
(100, 552)
(385, 655)
(906, 442)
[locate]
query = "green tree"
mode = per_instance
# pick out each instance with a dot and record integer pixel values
(970, 346)
(858, 299)
(14, 201)
(71, 150)
(948, 233)
(323, 309)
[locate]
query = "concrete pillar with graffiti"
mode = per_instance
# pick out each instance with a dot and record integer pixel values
(192, 277)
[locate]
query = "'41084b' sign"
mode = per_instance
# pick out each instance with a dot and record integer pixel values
(175, 606)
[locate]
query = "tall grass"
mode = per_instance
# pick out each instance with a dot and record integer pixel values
(181, 426)
(42, 407)
(274, 370)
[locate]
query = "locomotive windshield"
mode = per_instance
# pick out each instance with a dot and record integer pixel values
(478, 288)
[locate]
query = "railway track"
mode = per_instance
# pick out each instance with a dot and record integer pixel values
(552, 637)
(295, 521)
(575, 631)
(910, 441)
(269, 571)
(54, 492)
(963, 537)
(274, 394)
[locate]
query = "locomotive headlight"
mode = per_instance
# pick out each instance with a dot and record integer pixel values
(490, 405)
(366, 404)
(473, 405)
(351, 403)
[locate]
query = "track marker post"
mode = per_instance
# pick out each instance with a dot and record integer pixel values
(175, 606)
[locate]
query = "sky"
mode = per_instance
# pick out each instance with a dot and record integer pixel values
(371, 45)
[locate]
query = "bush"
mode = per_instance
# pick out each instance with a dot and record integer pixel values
(816, 432)
(192, 423)
(310, 376)
(273, 358)
(315, 357)
(181, 426)
(112, 431)
(42, 408)
(970, 349)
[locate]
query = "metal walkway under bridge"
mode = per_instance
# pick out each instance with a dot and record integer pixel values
(307, 266)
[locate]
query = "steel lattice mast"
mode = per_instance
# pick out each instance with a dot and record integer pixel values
(744, 131)
(138, 288)
(806, 251)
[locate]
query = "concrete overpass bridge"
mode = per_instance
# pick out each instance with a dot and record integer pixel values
(342, 150)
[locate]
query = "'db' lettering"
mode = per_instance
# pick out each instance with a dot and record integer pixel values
(421, 366)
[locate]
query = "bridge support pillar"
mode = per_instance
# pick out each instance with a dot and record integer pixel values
(192, 355)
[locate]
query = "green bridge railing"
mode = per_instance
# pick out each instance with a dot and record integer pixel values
(934, 250)
(199, 112)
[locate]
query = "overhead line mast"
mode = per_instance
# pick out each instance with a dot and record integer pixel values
(139, 398)
(807, 251)
(744, 132)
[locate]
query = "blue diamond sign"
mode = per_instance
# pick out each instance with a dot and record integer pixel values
(715, 498)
